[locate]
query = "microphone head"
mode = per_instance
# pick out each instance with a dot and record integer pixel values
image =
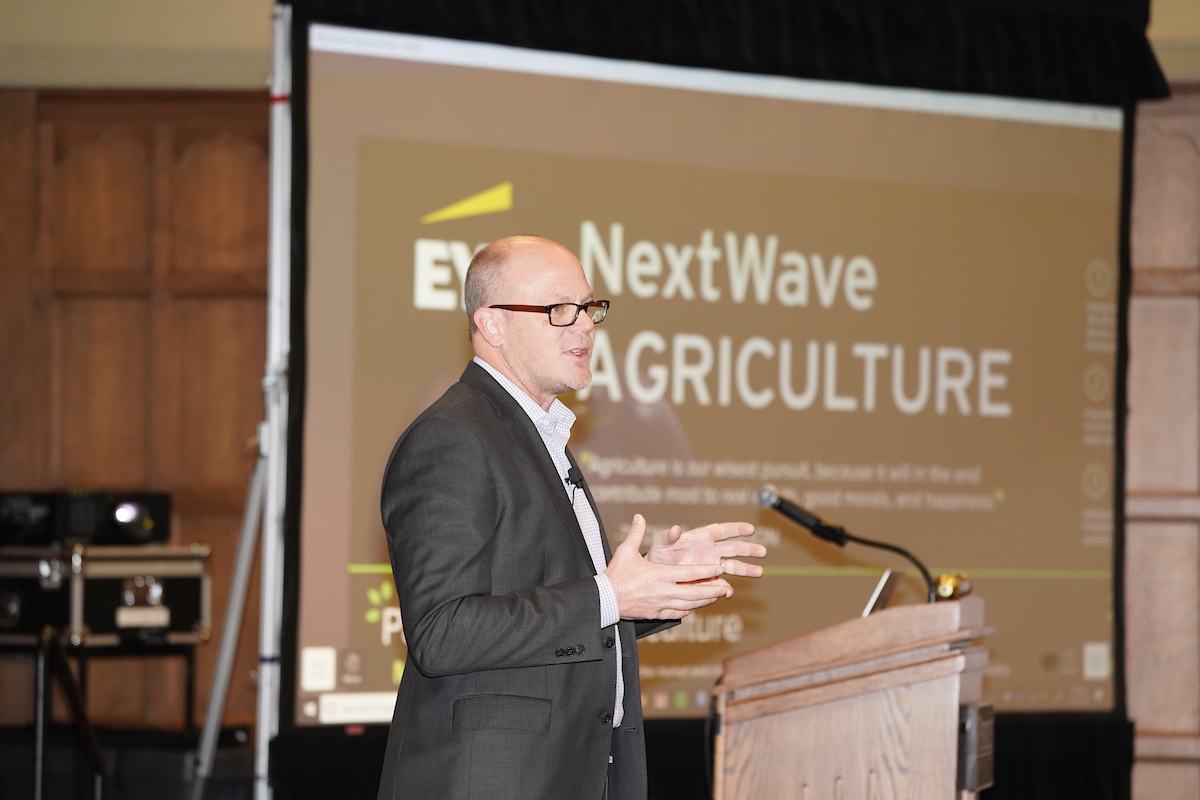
(768, 497)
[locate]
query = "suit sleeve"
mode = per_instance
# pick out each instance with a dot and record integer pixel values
(486, 577)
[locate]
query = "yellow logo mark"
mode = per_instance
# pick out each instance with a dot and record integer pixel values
(378, 598)
(489, 201)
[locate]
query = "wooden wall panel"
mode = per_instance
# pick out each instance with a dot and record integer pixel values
(101, 383)
(133, 692)
(24, 341)
(1161, 780)
(100, 197)
(1162, 547)
(221, 351)
(1163, 433)
(220, 204)
(1163, 647)
(1166, 207)
(24, 322)
(133, 310)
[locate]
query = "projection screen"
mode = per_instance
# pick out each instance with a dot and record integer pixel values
(901, 308)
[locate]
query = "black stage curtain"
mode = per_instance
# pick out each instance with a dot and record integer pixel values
(1051, 756)
(1082, 51)
(1086, 51)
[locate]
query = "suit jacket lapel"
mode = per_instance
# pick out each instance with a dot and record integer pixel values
(525, 434)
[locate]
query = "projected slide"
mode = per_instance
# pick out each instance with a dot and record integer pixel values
(899, 308)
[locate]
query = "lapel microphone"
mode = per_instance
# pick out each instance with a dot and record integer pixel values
(575, 478)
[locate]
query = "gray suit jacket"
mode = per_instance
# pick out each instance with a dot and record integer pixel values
(509, 684)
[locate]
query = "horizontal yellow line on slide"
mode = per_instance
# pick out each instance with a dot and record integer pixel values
(1016, 573)
(1011, 573)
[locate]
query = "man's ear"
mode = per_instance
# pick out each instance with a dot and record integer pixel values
(488, 326)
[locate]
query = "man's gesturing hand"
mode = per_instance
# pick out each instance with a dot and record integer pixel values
(646, 590)
(717, 543)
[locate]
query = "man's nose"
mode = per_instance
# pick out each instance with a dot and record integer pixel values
(584, 320)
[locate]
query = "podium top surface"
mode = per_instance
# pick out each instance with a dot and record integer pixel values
(882, 634)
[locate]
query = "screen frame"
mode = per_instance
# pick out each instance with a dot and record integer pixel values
(296, 299)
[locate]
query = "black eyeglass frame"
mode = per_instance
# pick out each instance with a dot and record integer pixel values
(549, 311)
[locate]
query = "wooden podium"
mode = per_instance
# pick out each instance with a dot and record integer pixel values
(883, 707)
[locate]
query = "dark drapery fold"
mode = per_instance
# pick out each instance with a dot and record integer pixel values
(1086, 51)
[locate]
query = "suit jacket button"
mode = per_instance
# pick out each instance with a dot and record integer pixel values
(559, 653)
(570, 651)
(606, 719)
(579, 649)
(609, 643)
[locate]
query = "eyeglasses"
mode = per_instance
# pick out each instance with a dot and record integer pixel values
(563, 315)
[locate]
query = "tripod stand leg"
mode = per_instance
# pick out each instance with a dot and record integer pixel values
(230, 630)
(41, 710)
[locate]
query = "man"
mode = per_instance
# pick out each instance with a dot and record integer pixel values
(522, 674)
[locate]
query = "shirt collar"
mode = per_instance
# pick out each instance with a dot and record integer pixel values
(558, 416)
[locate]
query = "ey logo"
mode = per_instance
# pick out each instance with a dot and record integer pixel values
(489, 201)
(387, 616)
(436, 262)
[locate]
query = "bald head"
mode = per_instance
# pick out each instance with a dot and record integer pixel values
(494, 267)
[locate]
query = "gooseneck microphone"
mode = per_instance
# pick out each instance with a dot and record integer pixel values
(768, 497)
